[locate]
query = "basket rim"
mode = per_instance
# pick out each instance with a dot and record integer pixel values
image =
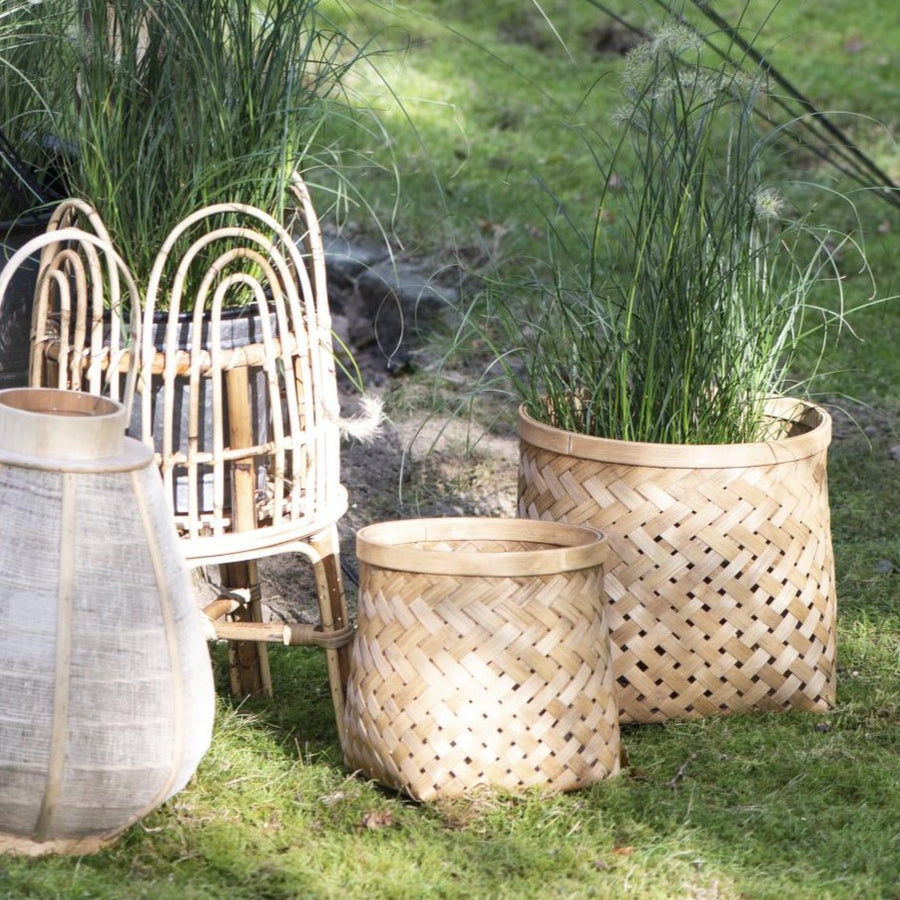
(387, 545)
(691, 456)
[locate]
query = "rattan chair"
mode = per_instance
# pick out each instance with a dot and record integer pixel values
(246, 419)
(241, 409)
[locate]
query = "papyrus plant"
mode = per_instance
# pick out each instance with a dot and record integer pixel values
(681, 308)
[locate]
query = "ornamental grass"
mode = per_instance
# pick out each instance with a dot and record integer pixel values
(680, 308)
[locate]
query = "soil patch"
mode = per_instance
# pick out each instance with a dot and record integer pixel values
(417, 468)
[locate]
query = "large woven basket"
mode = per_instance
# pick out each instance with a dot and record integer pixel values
(481, 658)
(720, 575)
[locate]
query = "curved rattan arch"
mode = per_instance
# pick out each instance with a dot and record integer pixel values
(82, 324)
(223, 248)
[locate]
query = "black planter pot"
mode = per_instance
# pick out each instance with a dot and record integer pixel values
(239, 328)
(15, 310)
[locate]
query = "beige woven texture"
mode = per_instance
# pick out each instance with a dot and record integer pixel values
(459, 682)
(720, 580)
(106, 692)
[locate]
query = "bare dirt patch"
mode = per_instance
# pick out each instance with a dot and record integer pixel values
(419, 467)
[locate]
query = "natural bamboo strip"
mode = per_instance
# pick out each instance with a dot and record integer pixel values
(232, 358)
(74, 263)
(230, 546)
(330, 638)
(243, 486)
(62, 674)
(221, 607)
(290, 634)
(143, 501)
(242, 631)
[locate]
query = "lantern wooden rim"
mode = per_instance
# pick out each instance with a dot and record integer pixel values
(73, 431)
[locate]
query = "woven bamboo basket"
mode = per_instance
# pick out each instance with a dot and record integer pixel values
(481, 658)
(720, 574)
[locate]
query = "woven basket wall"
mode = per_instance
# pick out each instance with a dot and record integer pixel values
(481, 658)
(720, 574)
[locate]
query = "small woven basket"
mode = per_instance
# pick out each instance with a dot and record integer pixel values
(720, 574)
(481, 658)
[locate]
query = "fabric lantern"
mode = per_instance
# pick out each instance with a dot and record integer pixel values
(106, 693)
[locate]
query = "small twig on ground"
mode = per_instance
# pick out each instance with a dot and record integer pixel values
(679, 775)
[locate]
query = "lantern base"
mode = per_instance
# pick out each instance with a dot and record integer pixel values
(17, 845)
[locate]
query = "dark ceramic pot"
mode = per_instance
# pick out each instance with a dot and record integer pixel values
(239, 328)
(16, 306)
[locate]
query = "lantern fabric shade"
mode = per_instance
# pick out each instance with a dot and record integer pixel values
(106, 695)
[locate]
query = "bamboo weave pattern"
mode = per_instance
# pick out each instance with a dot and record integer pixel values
(720, 580)
(458, 682)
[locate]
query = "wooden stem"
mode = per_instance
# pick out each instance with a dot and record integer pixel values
(249, 662)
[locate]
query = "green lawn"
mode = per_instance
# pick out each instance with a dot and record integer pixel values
(478, 101)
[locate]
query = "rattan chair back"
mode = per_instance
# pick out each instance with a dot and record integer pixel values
(86, 313)
(261, 409)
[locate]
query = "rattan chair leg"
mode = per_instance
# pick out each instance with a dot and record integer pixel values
(249, 674)
(333, 611)
(249, 662)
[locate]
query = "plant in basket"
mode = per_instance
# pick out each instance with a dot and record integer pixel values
(173, 106)
(654, 388)
(170, 107)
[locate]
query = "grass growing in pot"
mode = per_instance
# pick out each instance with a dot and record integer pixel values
(176, 104)
(681, 307)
